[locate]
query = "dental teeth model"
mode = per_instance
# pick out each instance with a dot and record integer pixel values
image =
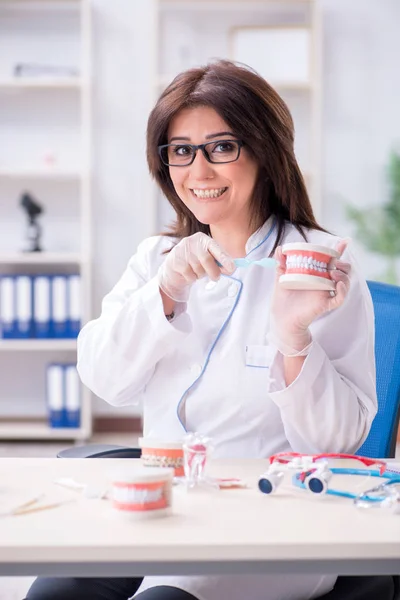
(143, 492)
(308, 267)
(159, 453)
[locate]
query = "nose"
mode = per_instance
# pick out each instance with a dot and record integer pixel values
(200, 167)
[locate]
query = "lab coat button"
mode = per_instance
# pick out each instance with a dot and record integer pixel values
(233, 290)
(210, 285)
(196, 370)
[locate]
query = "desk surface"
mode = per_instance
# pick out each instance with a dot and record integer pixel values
(209, 532)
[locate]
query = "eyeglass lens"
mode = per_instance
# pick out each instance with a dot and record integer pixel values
(222, 151)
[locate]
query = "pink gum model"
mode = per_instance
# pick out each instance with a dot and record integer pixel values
(308, 267)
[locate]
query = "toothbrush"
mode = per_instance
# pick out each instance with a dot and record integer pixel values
(263, 262)
(245, 262)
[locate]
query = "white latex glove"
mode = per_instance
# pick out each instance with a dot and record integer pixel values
(293, 311)
(192, 258)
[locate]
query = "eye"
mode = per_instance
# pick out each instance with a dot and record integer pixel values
(224, 147)
(182, 150)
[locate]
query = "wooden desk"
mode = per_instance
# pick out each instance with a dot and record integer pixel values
(210, 532)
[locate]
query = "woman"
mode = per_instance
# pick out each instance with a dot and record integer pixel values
(182, 330)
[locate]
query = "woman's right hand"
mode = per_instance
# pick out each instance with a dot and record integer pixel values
(192, 258)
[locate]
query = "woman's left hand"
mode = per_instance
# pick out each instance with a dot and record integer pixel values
(293, 311)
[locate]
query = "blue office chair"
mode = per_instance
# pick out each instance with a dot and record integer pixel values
(381, 441)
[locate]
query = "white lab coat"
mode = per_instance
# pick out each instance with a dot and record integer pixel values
(212, 370)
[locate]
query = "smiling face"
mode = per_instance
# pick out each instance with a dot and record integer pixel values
(217, 194)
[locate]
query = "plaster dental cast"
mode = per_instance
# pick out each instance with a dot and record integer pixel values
(204, 345)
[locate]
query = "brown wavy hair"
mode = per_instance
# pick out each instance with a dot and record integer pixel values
(260, 118)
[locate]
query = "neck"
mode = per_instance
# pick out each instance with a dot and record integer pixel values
(232, 241)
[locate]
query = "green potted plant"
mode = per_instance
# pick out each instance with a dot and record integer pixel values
(378, 228)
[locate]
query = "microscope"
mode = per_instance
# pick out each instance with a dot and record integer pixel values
(34, 230)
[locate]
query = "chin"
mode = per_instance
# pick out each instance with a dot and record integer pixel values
(208, 212)
(207, 218)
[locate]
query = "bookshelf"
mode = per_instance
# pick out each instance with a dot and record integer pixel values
(45, 138)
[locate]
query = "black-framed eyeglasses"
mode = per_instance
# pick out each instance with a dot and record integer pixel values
(216, 152)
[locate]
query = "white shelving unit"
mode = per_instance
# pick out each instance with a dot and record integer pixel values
(45, 139)
(193, 32)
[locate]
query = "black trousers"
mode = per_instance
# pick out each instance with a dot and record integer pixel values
(53, 588)
(71, 588)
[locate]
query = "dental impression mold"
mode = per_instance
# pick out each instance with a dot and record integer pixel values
(307, 267)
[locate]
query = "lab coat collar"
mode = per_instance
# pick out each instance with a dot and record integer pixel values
(264, 233)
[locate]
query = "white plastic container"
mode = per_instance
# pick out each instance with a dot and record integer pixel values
(143, 492)
(308, 267)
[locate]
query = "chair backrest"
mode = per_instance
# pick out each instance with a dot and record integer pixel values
(381, 441)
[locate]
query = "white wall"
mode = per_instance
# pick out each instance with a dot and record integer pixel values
(124, 75)
(361, 87)
(361, 108)
(124, 72)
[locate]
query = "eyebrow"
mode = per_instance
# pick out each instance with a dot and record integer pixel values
(208, 137)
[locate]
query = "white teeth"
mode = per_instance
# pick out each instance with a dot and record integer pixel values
(211, 193)
(137, 496)
(306, 262)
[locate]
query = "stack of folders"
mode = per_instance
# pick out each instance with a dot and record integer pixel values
(63, 392)
(40, 306)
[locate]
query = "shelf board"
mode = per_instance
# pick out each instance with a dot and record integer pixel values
(224, 2)
(291, 87)
(34, 430)
(231, 5)
(164, 80)
(39, 173)
(34, 345)
(41, 258)
(31, 83)
(37, 3)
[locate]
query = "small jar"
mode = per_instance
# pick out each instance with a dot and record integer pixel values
(142, 492)
(308, 267)
(159, 453)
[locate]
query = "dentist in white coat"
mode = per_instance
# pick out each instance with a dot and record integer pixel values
(227, 352)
